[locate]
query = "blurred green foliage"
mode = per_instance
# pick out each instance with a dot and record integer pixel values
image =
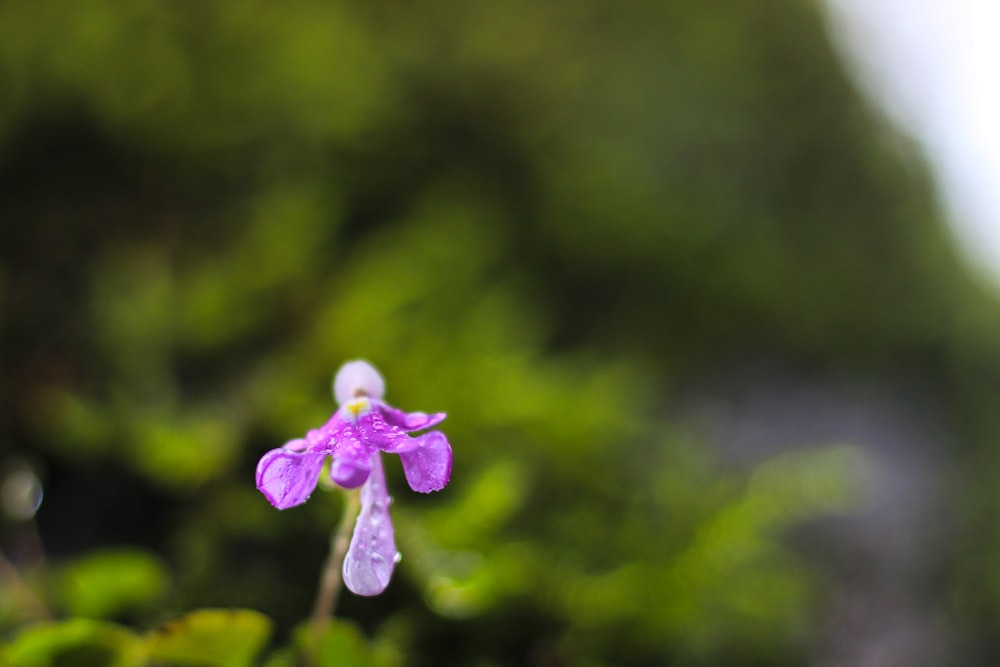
(210, 637)
(205, 638)
(547, 220)
(103, 584)
(76, 641)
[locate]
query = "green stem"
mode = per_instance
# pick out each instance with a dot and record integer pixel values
(329, 587)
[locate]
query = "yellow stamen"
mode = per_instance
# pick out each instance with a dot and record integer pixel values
(357, 407)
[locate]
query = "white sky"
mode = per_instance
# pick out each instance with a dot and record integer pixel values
(934, 66)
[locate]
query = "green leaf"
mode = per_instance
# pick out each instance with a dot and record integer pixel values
(102, 584)
(210, 637)
(341, 644)
(78, 642)
(284, 657)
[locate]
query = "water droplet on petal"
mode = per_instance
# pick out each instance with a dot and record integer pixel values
(398, 557)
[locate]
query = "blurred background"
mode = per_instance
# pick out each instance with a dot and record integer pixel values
(721, 389)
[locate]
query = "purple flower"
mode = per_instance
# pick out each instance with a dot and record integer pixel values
(354, 436)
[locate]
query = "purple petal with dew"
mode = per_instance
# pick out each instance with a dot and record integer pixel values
(319, 438)
(428, 466)
(410, 421)
(352, 456)
(378, 433)
(400, 444)
(372, 555)
(297, 445)
(287, 478)
(348, 474)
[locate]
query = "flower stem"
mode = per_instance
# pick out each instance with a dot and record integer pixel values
(329, 587)
(12, 578)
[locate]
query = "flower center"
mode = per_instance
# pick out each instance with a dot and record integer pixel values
(357, 407)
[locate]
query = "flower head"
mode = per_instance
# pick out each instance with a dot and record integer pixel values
(361, 428)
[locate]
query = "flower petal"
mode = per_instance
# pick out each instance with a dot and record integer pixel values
(357, 378)
(352, 454)
(297, 445)
(349, 474)
(287, 478)
(410, 421)
(372, 555)
(428, 465)
(319, 438)
(376, 432)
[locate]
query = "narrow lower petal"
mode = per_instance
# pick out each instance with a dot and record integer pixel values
(410, 421)
(428, 465)
(372, 555)
(287, 478)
